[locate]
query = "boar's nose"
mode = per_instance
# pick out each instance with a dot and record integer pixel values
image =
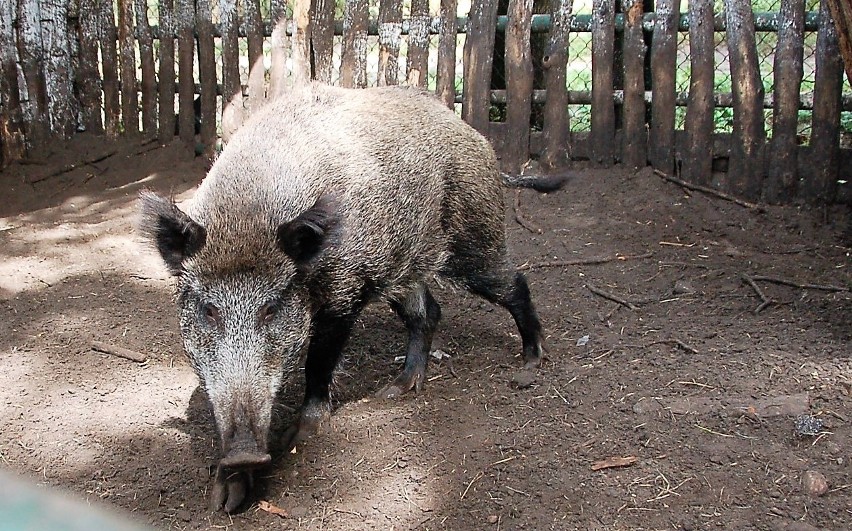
(244, 448)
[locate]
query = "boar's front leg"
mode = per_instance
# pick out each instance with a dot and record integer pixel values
(420, 312)
(329, 335)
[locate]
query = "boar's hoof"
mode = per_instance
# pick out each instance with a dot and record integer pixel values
(229, 489)
(307, 425)
(404, 382)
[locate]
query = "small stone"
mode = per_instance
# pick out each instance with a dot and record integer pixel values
(492, 519)
(523, 379)
(682, 287)
(814, 483)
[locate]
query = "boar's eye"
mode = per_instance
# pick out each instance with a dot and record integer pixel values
(268, 311)
(210, 313)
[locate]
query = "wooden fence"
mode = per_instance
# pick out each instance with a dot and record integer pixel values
(159, 67)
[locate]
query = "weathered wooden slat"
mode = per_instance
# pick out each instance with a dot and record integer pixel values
(127, 67)
(745, 169)
(417, 62)
(478, 58)
(13, 144)
(663, 70)
(146, 57)
(301, 41)
(109, 66)
(821, 183)
(184, 22)
(31, 56)
(635, 139)
(322, 39)
(603, 110)
(782, 171)
(206, 73)
(278, 48)
(519, 85)
(88, 75)
(232, 92)
(257, 70)
(698, 159)
(390, 37)
(166, 73)
(353, 64)
(61, 103)
(445, 83)
(841, 12)
(556, 127)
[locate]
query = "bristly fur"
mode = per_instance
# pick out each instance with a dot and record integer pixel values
(539, 183)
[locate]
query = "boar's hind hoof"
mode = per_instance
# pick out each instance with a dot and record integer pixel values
(229, 489)
(404, 382)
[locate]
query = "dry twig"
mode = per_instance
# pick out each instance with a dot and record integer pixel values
(709, 191)
(72, 167)
(766, 300)
(519, 216)
(822, 287)
(583, 261)
(610, 296)
(121, 352)
(677, 342)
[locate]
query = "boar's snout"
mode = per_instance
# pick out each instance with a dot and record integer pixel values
(244, 444)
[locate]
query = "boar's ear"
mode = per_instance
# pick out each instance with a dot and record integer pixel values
(175, 234)
(306, 236)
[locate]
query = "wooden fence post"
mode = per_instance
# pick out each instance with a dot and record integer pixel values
(353, 61)
(390, 35)
(166, 73)
(821, 184)
(149, 81)
(478, 58)
(12, 139)
(322, 38)
(782, 171)
(184, 22)
(445, 83)
(698, 159)
(603, 109)
(519, 85)
(232, 90)
(841, 12)
(278, 47)
(301, 48)
(127, 67)
(745, 170)
(206, 73)
(61, 105)
(417, 62)
(89, 77)
(556, 125)
(109, 65)
(663, 71)
(257, 70)
(30, 54)
(635, 136)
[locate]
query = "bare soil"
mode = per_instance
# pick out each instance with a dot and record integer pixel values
(699, 393)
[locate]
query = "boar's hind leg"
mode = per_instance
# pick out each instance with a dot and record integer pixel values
(512, 293)
(329, 335)
(420, 312)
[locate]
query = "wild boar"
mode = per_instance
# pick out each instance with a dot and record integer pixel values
(327, 200)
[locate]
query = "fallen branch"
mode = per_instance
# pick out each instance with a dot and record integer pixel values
(785, 282)
(614, 462)
(519, 216)
(677, 342)
(72, 167)
(610, 296)
(121, 352)
(766, 301)
(583, 261)
(709, 191)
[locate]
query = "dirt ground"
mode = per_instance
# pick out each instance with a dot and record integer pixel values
(696, 389)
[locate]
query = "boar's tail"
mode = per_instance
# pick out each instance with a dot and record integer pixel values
(539, 183)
